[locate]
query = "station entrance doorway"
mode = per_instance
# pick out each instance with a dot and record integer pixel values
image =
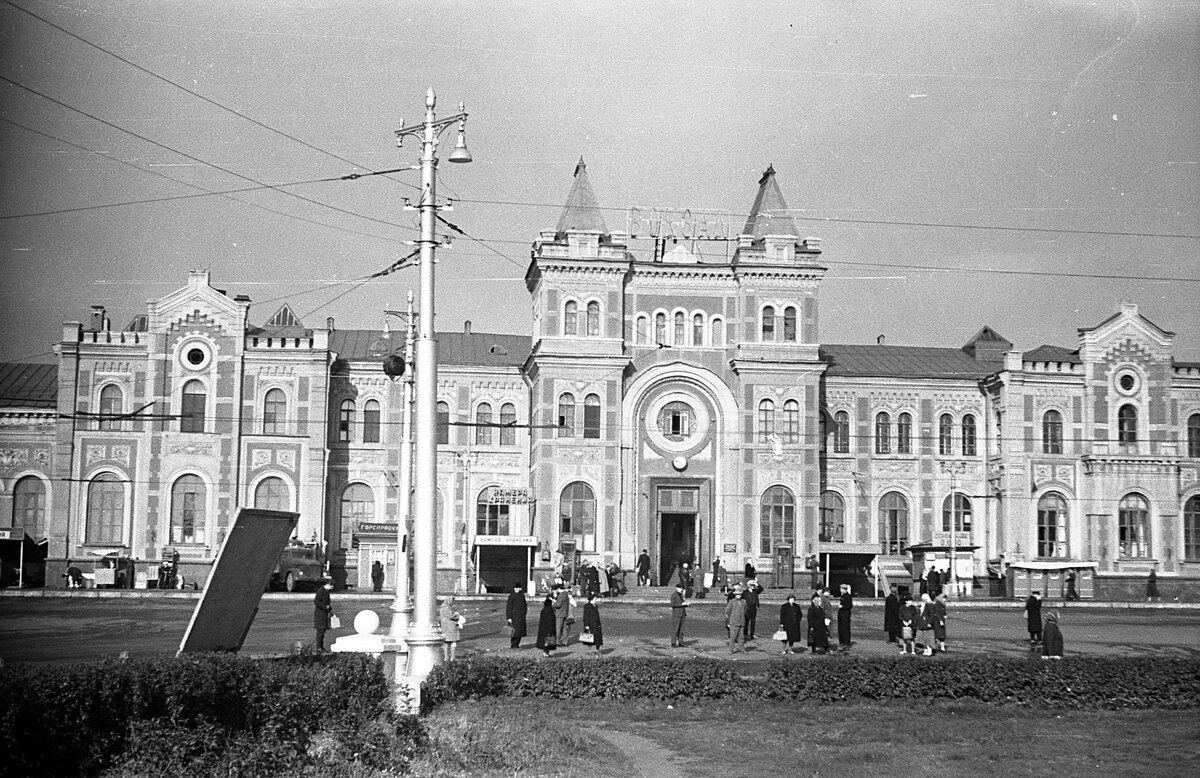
(679, 529)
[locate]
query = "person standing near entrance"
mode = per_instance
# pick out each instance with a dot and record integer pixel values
(643, 568)
(322, 614)
(678, 615)
(377, 575)
(515, 612)
(845, 604)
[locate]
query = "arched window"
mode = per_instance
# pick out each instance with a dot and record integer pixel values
(698, 329)
(566, 416)
(105, 510)
(591, 417)
(112, 401)
(571, 318)
(1052, 525)
(968, 435)
(883, 433)
(483, 424)
(1127, 424)
(490, 518)
(893, 524)
(660, 329)
(643, 330)
(777, 518)
(904, 433)
(958, 507)
(188, 502)
(593, 318)
(192, 407)
(841, 433)
(791, 421)
(371, 422)
(766, 420)
(29, 506)
(768, 324)
(443, 423)
(345, 430)
(946, 434)
(274, 413)
(833, 518)
(1193, 433)
(1133, 527)
(718, 332)
(675, 420)
(508, 421)
(1191, 528)
(1052, 433)
(577, 514)
(680, 329)
(273, 494)
(789, 324)
(357, 507)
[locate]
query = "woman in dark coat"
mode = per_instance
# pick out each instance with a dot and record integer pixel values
(818, 629)
(1052, 639)
(891, 616)
(515, 611)
(845, 604)
(939, 622)
(791, 619)
(547, 637)
(591, 622)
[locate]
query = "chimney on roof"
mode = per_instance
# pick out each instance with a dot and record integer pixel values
(879, 340)
(96, 323)
(329, 324)
(467, 327)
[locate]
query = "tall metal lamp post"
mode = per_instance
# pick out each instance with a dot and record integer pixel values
(954, 469)
(397, 366)
(425, 638)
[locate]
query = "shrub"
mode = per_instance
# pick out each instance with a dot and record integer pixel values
(1108, 683)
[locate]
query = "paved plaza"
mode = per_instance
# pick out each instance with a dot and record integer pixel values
(54, 626)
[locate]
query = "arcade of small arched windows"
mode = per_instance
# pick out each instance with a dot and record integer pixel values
(780, 419)
(778, 324)
(582, 317)
(680, 329)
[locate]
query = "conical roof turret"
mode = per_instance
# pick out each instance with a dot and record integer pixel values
(582, 212)
(769, 215)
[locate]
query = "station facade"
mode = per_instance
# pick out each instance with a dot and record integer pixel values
(666, 401)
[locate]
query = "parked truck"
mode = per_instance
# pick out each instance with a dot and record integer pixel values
(300, 567)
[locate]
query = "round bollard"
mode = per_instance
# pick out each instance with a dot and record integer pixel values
(366, 622)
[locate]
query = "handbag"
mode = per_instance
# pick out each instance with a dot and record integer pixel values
(906, 632)
(335, 622)
(780, 635)
(588, 638)
(507, 630)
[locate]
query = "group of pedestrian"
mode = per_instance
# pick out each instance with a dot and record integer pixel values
(556, 620)
(919, 626)
(1043, 631)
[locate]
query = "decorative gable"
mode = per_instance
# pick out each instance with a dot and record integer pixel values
(1126, 336)
(196, 302)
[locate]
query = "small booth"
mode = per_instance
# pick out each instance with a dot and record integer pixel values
(376, 543)
(1050, 578)
(113, 570)
(942, 556)
(22, 560)
(501, 561)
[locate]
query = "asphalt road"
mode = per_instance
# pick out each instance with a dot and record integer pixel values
(69, 629)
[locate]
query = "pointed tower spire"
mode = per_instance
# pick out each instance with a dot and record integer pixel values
(769, 215)
(582, 212)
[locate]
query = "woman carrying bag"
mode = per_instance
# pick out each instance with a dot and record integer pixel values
(593, 632)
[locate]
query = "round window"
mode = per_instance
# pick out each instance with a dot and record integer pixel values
(1127, 382)
(196, 356)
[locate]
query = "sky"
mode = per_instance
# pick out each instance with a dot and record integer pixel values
(1023, 165)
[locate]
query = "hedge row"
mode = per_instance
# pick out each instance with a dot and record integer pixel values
(82, 719)
(1109, 683)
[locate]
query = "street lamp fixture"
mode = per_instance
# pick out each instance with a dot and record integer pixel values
(424, 637)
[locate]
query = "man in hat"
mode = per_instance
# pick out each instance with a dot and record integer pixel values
(1033, 617)
(678, 615)
(735, 620)
(515, 611)
(322, 613)
(643, 568)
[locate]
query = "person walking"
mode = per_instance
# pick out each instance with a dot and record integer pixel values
(377, 575)
(643, 568)
(678, 615)
(685, 577)
(452, 622)
(515, 612)
(791, 620)
(818, 627)
(1152, 587)
(322, 614)
(750, 595)
(562, 606)
(845, 605)
(547, 635)
(1052, 639)
(939, 622)
(891, 615)
(908, 625)
(1072, 592)
(718, 575)
(591, 623)
(735, 620)
(1033, 617)
(925, 624)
